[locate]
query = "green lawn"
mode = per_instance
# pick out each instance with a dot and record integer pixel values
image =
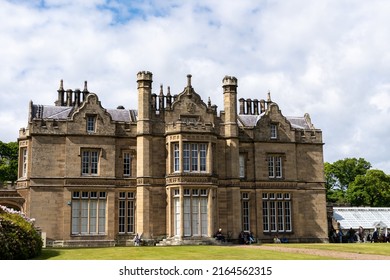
(206, 252)
(360, 248)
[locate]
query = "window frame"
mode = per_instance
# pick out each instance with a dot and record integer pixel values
(277, 209)
(242, 165)
(24, 162)
(126, 212)
(193, 158)
(274, 131)
(176, 157)
(91, 123)
(275, 166)
(245, 211)
(127, 161)
(89, 213)
(90, 161)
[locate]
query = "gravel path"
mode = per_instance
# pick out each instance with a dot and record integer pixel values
(324, 253)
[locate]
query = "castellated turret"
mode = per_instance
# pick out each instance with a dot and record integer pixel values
(144, 82)
(229, 85)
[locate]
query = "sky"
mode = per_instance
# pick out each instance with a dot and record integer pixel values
(328, 58)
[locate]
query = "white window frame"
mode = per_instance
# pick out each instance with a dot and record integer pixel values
(89, 213)
(176, 157)
(195, 212)
(277, 212)
(90, 159)
(91, 123)
(274, 131)
(194, 157)
(245, 210)
(242, 161)
(275, 166)
(126, 164)
(24, 153)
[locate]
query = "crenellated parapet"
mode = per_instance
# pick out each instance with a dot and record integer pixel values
(144, 76)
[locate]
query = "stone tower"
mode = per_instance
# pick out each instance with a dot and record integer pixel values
(144, 156)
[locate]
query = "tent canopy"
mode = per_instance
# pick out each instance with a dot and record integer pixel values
(367, 217)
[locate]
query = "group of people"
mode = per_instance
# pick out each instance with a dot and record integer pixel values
(352, 236)
(246, 237)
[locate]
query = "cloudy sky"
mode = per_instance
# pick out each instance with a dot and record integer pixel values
(328, 58)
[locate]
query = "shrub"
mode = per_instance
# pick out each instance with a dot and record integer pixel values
(19, 239)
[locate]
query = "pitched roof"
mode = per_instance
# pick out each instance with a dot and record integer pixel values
(63, 112)
(296, 122)
(367, 217)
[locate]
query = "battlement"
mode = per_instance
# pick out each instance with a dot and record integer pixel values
(229, 81)
(144, 76)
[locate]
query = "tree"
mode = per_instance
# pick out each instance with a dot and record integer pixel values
(371, 189)
(8, 161)
(340, 174)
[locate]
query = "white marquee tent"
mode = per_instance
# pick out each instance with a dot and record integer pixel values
(366, 217)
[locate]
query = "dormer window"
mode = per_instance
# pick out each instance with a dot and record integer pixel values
(274, 131)
(91, 123)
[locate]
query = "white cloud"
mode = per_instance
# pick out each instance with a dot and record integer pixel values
(327, 58)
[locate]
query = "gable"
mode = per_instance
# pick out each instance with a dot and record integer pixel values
(91, 107)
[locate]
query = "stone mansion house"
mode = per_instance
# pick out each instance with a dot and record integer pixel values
(173, 169)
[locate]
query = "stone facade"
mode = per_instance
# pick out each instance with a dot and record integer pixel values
(172, 168)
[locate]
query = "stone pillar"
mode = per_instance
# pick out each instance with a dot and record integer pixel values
(144, 155)
(61, 91)
(230, 124)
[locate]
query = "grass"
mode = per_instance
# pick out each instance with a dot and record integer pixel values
(206, 252)
(359, 248)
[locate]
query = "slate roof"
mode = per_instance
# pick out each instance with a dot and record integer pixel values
(123, 115)
(299, 122)
(63, 112)
(296, 122)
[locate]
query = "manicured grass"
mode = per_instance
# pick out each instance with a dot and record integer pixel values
(170, 253)
(206, 252)
(359, 248)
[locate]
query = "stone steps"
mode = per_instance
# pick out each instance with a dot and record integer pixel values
(177, 241)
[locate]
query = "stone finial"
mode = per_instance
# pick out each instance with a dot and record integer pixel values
(61, 91)
(61, 85)
(85, 86)
(161, 90)
(269, 96)
(189, 80)
(209, 103)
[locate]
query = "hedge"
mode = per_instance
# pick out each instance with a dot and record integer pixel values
(19, 239)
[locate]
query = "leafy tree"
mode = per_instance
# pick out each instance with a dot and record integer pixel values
(371, 189)
(8, 161)
(340, 174)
